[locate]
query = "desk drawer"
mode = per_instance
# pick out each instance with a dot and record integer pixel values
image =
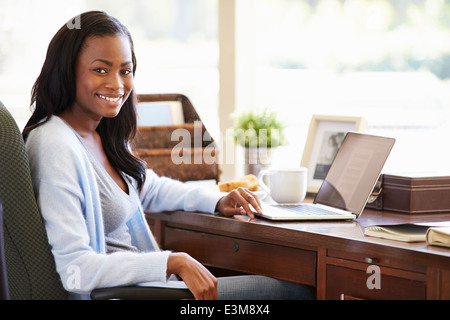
(358, 275)
(245, 256)
(376, 259)
(348, 282)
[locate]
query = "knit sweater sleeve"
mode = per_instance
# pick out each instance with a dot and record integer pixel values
(68, 200)
(165, 194)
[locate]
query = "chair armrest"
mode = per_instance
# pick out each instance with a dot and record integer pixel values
(141, 293)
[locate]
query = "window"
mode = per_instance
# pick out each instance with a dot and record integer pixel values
(175, 40)
(387, 61)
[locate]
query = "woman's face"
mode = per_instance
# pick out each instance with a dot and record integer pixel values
(104, 76)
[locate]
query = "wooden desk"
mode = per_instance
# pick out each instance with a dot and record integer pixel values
(332, 256)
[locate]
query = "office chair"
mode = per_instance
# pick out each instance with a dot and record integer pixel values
(4, 291)
(31, 271)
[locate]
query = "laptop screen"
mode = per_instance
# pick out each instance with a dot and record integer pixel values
(354, 172)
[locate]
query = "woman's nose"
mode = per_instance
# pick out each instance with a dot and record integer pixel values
(115, 82)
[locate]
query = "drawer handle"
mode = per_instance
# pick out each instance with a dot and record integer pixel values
(346, 297)
(235, 247)
(371, 260)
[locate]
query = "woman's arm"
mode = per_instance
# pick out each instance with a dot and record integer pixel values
(197, 278)
(164, 194)
(68, 199)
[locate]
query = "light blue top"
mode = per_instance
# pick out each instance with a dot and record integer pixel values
(69, 200)
(118, 206)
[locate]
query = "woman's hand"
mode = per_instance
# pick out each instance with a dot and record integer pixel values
(238, 202)
(197, 278)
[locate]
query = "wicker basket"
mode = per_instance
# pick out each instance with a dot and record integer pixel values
(162, 137)
(160, 161)
(155, 145)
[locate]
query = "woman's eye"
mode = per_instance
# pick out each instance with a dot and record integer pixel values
(127, 72)
(100, 70)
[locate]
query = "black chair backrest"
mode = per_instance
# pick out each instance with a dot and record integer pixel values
(29, 260)
(4, 290)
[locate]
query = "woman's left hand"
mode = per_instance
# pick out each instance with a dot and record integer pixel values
(238, 202)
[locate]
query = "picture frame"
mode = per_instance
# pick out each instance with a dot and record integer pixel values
(160, 113)
(325, 135)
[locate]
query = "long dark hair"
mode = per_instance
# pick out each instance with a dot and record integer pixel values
(55, 89)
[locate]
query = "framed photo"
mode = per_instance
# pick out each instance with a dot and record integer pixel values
(160, 113)
(325, 136)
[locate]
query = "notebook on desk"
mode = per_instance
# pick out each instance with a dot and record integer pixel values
(348, 184)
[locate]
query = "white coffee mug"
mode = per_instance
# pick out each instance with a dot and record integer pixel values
(286, 185)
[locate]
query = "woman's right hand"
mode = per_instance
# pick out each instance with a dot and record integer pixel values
(197, 278)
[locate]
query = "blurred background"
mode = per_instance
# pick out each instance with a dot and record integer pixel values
(385, 61)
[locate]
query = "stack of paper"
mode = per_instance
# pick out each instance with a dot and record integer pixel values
(434, 233)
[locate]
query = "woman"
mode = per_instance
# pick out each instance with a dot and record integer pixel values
(90, 188)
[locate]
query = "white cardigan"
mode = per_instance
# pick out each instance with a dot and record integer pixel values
(66, 190)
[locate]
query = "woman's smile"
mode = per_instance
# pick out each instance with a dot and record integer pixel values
(113, 100)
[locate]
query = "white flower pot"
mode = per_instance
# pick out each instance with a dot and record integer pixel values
(257, 159)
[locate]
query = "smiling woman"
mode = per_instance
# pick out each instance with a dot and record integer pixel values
(92, 191)
(104, 75)
(81, 65)
(104, 81)
(124, 71)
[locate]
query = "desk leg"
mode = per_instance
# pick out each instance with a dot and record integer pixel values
(438, 284)
(432, 283)
(445, 287)
(321, 275)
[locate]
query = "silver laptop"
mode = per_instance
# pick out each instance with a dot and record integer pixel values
(348, 184)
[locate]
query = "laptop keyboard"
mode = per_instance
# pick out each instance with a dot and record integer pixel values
(307, 210)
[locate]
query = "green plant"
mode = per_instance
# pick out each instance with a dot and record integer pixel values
(259, 129)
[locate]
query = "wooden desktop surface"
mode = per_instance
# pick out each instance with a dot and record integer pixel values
(333, 256)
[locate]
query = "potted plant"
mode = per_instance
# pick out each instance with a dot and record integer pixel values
(260, 133)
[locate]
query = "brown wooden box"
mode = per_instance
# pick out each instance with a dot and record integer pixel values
(414, 193)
